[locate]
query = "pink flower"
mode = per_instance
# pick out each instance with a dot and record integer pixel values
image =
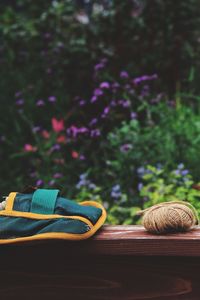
(61, 139)
(29, 148)
(57, 125)
(75, 154)
(45, 134)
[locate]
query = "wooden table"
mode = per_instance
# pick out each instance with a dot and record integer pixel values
(120, 262)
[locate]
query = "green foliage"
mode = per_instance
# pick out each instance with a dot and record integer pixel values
(171, 136)
(161, 185)
(123, 215)
(53, 65)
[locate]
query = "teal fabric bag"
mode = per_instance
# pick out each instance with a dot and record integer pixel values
(44, 214)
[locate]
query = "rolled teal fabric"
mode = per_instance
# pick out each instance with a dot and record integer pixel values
(44, 214)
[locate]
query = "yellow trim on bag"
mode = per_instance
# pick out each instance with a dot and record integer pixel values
(10, 201)
(52, 235)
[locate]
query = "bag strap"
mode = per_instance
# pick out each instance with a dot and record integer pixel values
(43, 201)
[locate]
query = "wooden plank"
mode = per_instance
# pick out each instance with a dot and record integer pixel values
(135, 240)
(123, 240)
(120, 262)
(100, 278)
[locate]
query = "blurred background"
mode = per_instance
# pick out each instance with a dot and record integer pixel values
(101, 99)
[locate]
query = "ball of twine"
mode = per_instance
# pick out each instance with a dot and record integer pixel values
(170, 217)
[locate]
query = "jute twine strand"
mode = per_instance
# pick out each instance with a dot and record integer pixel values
(169, 217)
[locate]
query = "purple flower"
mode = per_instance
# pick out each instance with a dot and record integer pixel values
(36, 129)
(83, 181)
(177, 172)
(133, 115)
(93, 99)
(180, 166)
(124, 74)
(113, 103)
(128, 87)
(104, 60)
(82, 157)
(40, 102)
(57, 175)
(83, 176)
(106, 110)
(184, 172)
(140, 186)
(153, 77)
(82, 102)
(99, 66)
(145, 199)
(116, 188)
(140, 79)
(93, 122)
(116, 195)
(52, 99)
(19, 102)
(145, 91)
(98, 92)
(125, 148)
(116, 192)
(33, 174)
(51, 182)
(105, 85)
(82, 130)
(157, 98)
(18, 94)
(39, 182)
(73, 130)
(92, 186)
(115, 85)
(55, 147)
(141, 171)
(124, 103)
(95, 133)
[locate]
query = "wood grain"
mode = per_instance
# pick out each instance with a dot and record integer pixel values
(135, 240)
(131, 240)
(98, 277)
(119, 263)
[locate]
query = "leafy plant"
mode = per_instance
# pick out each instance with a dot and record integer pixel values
(159, 185)
(104, 90)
